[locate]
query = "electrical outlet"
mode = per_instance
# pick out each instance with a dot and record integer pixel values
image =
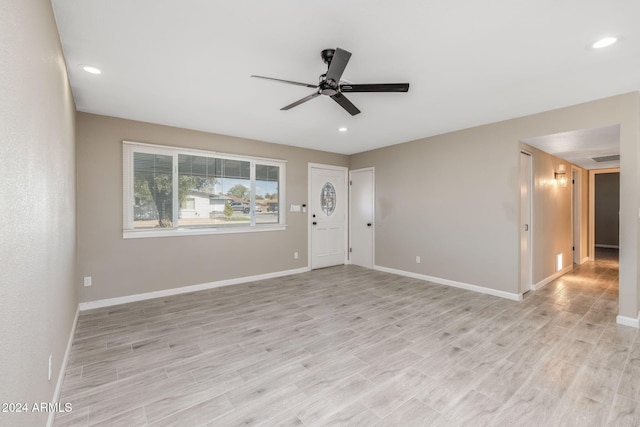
(50, 365)
(417, 260)
(87, 281)
(295, 255)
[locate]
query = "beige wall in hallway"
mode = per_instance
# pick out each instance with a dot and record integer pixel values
(133, 266)
(38, 284)
(551, 229)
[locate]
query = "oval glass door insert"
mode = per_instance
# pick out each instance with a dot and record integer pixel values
(328, 199)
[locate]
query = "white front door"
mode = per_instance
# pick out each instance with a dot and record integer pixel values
(361, 208)
(525, 221)
(328, 215)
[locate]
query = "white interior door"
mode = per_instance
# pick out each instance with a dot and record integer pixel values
(525, 221)
(361, 211)
(328, 215)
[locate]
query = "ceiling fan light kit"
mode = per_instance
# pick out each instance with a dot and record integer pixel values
(330, 84)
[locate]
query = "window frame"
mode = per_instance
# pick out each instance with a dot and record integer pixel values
(129, 232)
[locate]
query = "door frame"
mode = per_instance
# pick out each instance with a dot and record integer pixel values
(576, 214)
(531, 227)
(373, 213)
(345, 200)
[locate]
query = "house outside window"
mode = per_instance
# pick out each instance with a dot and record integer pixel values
(176, 191)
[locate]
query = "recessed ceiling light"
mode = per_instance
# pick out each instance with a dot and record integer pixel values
(604, 42)
(343, 129)
(90, 69)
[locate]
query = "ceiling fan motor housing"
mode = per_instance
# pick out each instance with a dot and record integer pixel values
(327, 55)
(327, 87)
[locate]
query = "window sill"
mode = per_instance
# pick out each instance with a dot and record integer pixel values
(175, 232)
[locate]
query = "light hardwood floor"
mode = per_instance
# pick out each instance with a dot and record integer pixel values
(350, 346)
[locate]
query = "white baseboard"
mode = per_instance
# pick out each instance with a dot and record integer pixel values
(185, 289)
(585, 259)
(63, 369)
(629, 321)
(607, 246)
(461, 285)
(541, 284)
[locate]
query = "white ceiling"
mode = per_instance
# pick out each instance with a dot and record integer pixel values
(188, 63)
(581, 146)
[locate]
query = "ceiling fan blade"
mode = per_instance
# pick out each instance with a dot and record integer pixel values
(345, 103)
(338, 64)
(375, 87)
(286, 81)
(300, 101)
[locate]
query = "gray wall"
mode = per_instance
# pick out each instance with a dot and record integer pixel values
(38, 286)
(607, 206)
(126, 267)
(453, 198)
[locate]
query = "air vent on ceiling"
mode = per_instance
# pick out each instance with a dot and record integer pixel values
(612, 158)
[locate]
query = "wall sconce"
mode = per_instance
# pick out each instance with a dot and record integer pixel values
(561, 175)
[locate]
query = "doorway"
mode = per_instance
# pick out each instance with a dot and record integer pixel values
(604, 210)
(328, 215)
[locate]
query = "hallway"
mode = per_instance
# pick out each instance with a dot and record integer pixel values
(590, 290)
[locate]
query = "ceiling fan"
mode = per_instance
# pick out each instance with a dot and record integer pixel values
(331, 85)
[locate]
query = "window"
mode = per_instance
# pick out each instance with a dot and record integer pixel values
(174, 191)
